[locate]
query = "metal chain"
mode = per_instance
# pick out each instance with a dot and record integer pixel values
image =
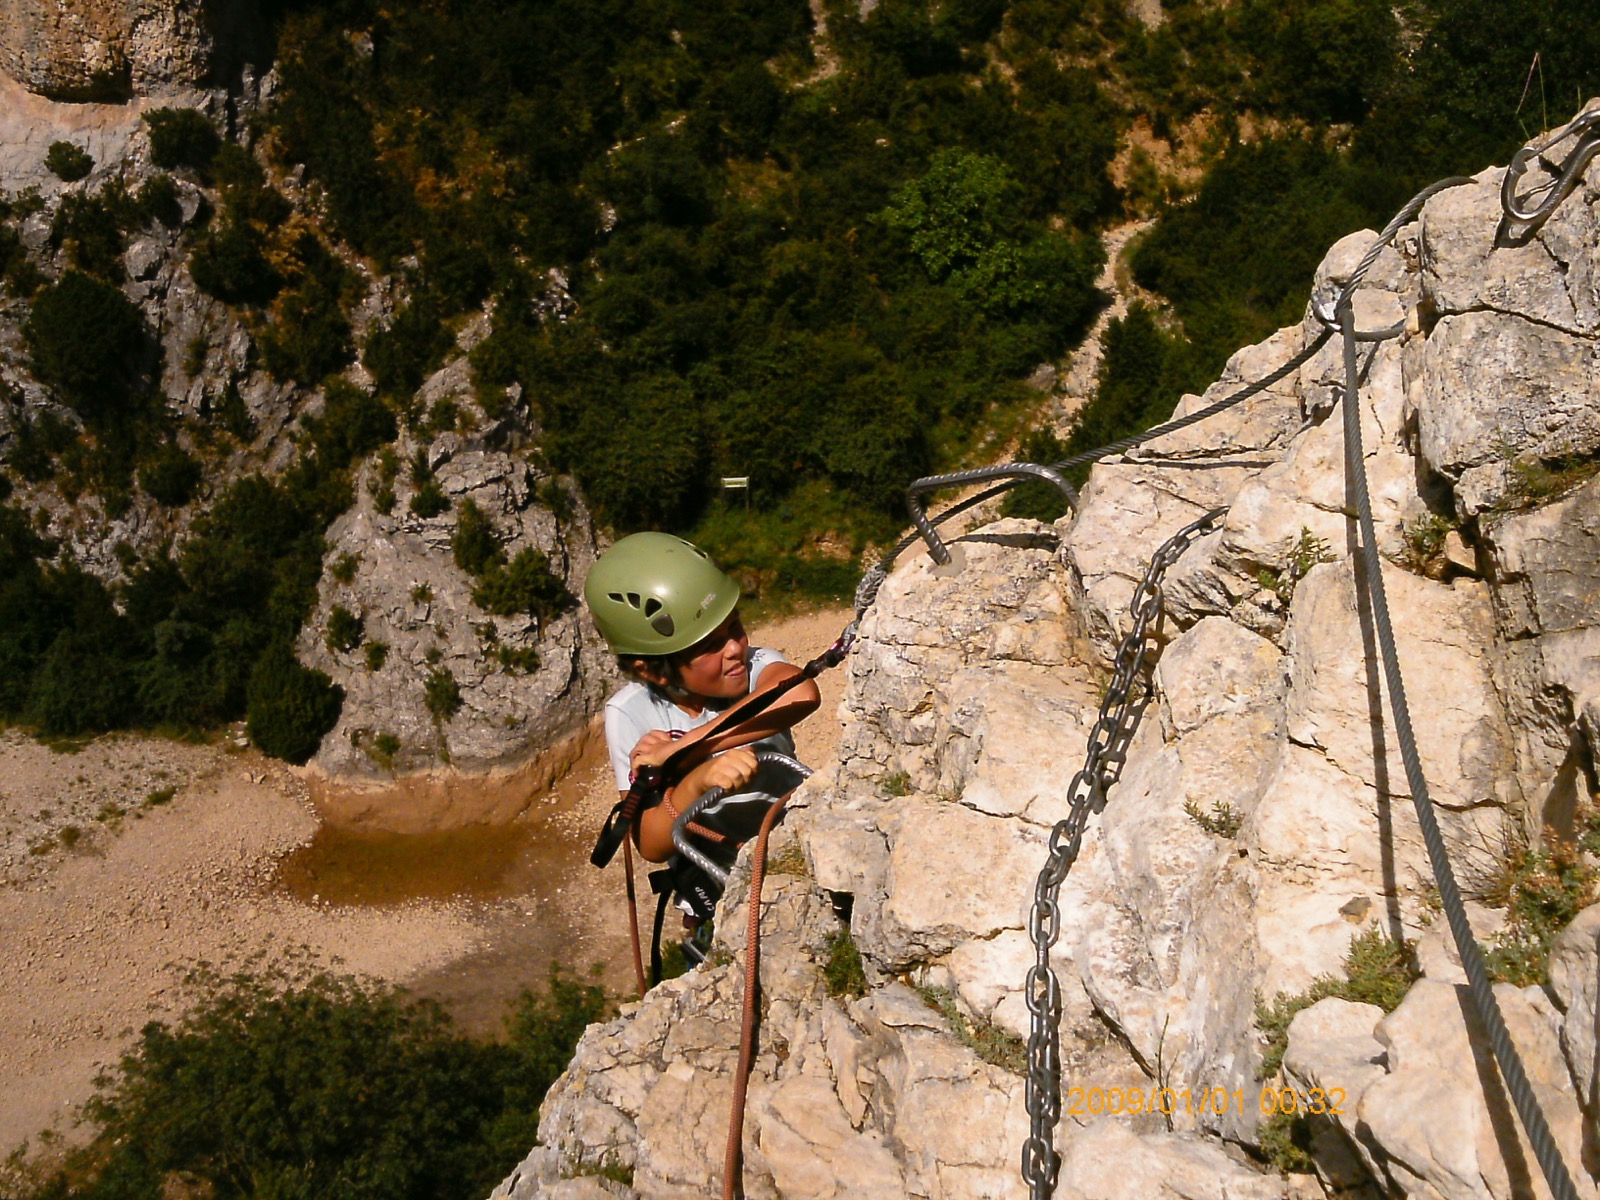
(1102, 765)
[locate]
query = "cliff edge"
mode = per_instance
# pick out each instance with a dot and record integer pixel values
(1261, 838)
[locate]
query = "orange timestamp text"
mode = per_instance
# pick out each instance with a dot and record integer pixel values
(1169, 1101)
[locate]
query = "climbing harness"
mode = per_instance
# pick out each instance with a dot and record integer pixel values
(1126, 698)
(1584, 130)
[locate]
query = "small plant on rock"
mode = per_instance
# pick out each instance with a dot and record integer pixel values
(996, 1046)
(1307, 551)
(345, 630)
(896, 784)
(1423, 541)
(442, 694)
(1377, 971)
(67, 162)
(344, 567)
(430, 500)
(1222, 821)
(843, 973)
(1542, 891)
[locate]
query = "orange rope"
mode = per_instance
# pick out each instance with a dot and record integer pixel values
(747, 1030)
(633, 917)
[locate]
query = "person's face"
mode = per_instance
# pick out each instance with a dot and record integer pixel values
(718, 666)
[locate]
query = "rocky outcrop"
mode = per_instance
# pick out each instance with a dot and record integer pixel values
(1261, 822)
(524, 683)
(109, 50)
(527, 685)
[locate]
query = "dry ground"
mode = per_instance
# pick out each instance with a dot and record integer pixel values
(132, 858)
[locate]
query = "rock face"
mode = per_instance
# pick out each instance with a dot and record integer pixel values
(1261, 822)
(526, 684)
(113, 49)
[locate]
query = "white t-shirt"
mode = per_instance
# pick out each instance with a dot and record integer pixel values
(637, 710)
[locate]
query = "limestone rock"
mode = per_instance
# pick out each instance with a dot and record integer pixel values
(113, 49)
(1261, 817)
(1107, 1161)
(1547, 596)
(1435, 1121)
(524, 683)
(1532, 388)
(1575, 985)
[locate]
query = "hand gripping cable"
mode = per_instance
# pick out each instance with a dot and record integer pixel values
(651, 781)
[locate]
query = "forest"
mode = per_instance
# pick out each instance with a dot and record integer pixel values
(716, 239)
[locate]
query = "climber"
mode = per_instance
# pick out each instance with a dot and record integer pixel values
(671, 617)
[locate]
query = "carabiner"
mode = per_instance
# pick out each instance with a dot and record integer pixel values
(1585, 127)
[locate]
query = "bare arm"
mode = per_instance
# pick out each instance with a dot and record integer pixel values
(715, 737)
(730, 772)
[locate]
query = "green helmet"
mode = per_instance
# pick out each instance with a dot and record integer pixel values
(654, 594)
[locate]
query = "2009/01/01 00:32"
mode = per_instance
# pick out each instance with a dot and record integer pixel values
(1169, 1101)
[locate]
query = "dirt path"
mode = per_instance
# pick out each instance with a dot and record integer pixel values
(132, 858)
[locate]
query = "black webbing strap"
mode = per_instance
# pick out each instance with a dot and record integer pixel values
(650, 782)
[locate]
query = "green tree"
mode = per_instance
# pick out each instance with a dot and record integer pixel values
(68, 162)
(170, 476)
(323, 1088)
(181, 137)
(959, 215)
(290, 707)
(85, 340)
(474, 544)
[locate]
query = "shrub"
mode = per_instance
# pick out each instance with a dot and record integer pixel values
(430, 500)
(345, 630)
(181, 137)
(375, 655)
(310, 340)
(230, 263)
(524, 585)
(1377, 971)
(89, 231)
(170, 476)
(1542, 890)
(442, 694)
(84, 338)
(473, 543)
(290, 707)
(68, 162)
(158, 201)
(246, 195)
(344, 567)
(35, 445)
(316, 1085)
(353, 424)
(400, 356)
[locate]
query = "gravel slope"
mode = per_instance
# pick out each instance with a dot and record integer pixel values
(171, 862)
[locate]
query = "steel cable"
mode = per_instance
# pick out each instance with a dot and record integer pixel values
(1113, 731)
(1482, 991)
